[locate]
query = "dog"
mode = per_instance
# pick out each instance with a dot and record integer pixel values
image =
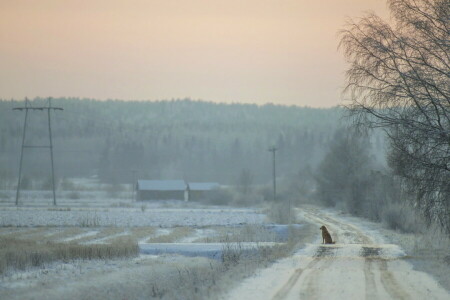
(326, 237)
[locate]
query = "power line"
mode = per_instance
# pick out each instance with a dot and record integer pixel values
(26, 108)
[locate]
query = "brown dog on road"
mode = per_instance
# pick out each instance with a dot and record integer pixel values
(326, 236)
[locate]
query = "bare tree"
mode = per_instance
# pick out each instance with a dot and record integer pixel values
(342, 175)
(399, 79)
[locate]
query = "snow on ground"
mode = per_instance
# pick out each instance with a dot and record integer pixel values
(104, 240)
(199, 233)
(365, 262)
(79, 236)
(209, 250)
(424, 251)
(97, 279)
(360, 265)
(384, 251)
(88, 199)
(128, 217)
(36, 198)
(159, 232)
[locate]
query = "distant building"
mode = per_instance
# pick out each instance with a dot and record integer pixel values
(160, 189)
(174, 190)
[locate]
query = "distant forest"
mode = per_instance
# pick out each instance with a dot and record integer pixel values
(176, 139)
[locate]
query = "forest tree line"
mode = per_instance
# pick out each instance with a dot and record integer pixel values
(177, 139)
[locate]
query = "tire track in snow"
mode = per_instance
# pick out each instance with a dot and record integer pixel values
(360, 266)
(369, 277)
(309, 288)
(372, 257)
(284, 291)
(390, 284)
(321, 255)
(326, 256)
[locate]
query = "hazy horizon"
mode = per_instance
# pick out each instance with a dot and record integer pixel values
(260, 52)
(299, 105)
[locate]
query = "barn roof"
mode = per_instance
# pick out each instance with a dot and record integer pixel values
(161, 185)
(203, 186)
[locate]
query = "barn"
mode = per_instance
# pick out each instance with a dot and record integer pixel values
(160, 190)
(174, 190)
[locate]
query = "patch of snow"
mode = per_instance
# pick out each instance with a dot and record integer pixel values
(198, 234)
(159, 232)
(209, 250)
(79, 236)
(106, 238)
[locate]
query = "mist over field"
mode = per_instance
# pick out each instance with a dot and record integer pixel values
(192, 140)
(316, 167)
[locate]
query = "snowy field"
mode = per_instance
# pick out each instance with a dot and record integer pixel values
(126, 217)
(172, 236)
(182, 245)
(96, 208)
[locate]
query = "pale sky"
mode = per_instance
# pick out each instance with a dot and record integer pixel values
(242, 51)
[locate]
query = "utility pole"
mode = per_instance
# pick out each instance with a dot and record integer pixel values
(28, 107)
(273, 150)
(133, 184)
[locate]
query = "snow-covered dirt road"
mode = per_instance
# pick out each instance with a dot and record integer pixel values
(359, 266)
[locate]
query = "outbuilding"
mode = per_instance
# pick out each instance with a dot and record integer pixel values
(160, 190)
(174, 190)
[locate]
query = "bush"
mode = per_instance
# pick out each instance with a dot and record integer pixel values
(26, 183)
(220, 197)
(89, 220)
(401, 218)
(74, 195)
(231, 254)
(114, 190)
(4, 196)
(67, 185)
(47, 184)
(279, 212)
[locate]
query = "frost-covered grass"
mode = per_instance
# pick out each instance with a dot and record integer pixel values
(44, 238)
(251, 233)
(163, 276)
(212, 280)
(86, 246)
(20, 254)
(427, 251)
